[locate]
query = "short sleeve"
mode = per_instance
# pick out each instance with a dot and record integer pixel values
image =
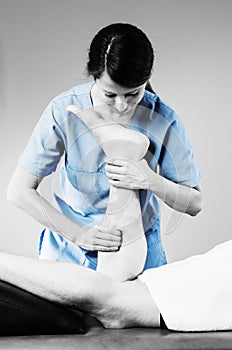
(177, 160)
(46, 144)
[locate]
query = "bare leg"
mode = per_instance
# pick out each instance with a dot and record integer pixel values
(123, 209)
(114, 304)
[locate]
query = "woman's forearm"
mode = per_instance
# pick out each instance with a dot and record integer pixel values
(30, 201)
(43, 212)
(179, 197)
(138, 175)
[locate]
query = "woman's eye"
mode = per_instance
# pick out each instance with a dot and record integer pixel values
(110, 96)
(135, 94)
(127, 95)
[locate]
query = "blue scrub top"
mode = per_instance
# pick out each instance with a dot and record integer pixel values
(80, 185)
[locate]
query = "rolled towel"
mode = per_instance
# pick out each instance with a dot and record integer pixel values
(195, 294)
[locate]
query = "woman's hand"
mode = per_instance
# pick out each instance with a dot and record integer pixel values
(133, 175)
(101, 239)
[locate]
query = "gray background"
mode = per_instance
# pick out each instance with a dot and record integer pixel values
(44, 45)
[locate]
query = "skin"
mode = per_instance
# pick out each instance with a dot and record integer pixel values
(110, 99)
(23, 192)
(123, 205)
(117, 103)
(115, 304)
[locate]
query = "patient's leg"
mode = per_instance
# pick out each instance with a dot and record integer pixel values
(123, 209)
(113, 303)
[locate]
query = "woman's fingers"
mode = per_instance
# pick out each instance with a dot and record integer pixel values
(116, 177)
(109, 239)
(117, 161)
(106, 249)
(115, 169)
(111, 235)
(100, 247)
(107, 243)
(116, 172)
(101, 238)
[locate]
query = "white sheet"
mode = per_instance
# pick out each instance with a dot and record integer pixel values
(195, 294)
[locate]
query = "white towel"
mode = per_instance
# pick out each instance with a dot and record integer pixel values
(195, 294)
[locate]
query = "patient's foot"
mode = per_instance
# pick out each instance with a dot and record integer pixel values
(123, 208)
(116, 140)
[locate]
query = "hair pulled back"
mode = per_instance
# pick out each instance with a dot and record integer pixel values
(124, 51)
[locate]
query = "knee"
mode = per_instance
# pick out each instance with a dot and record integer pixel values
(115, 310)
(99, 288)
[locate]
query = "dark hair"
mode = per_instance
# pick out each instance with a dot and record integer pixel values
(125, 52)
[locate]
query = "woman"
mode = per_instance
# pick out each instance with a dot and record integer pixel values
(120, 61)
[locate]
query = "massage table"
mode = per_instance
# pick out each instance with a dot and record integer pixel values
(30, 322)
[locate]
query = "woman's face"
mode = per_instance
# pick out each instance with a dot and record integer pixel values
(114, 101)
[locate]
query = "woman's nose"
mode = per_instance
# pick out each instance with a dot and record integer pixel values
(120, 104)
